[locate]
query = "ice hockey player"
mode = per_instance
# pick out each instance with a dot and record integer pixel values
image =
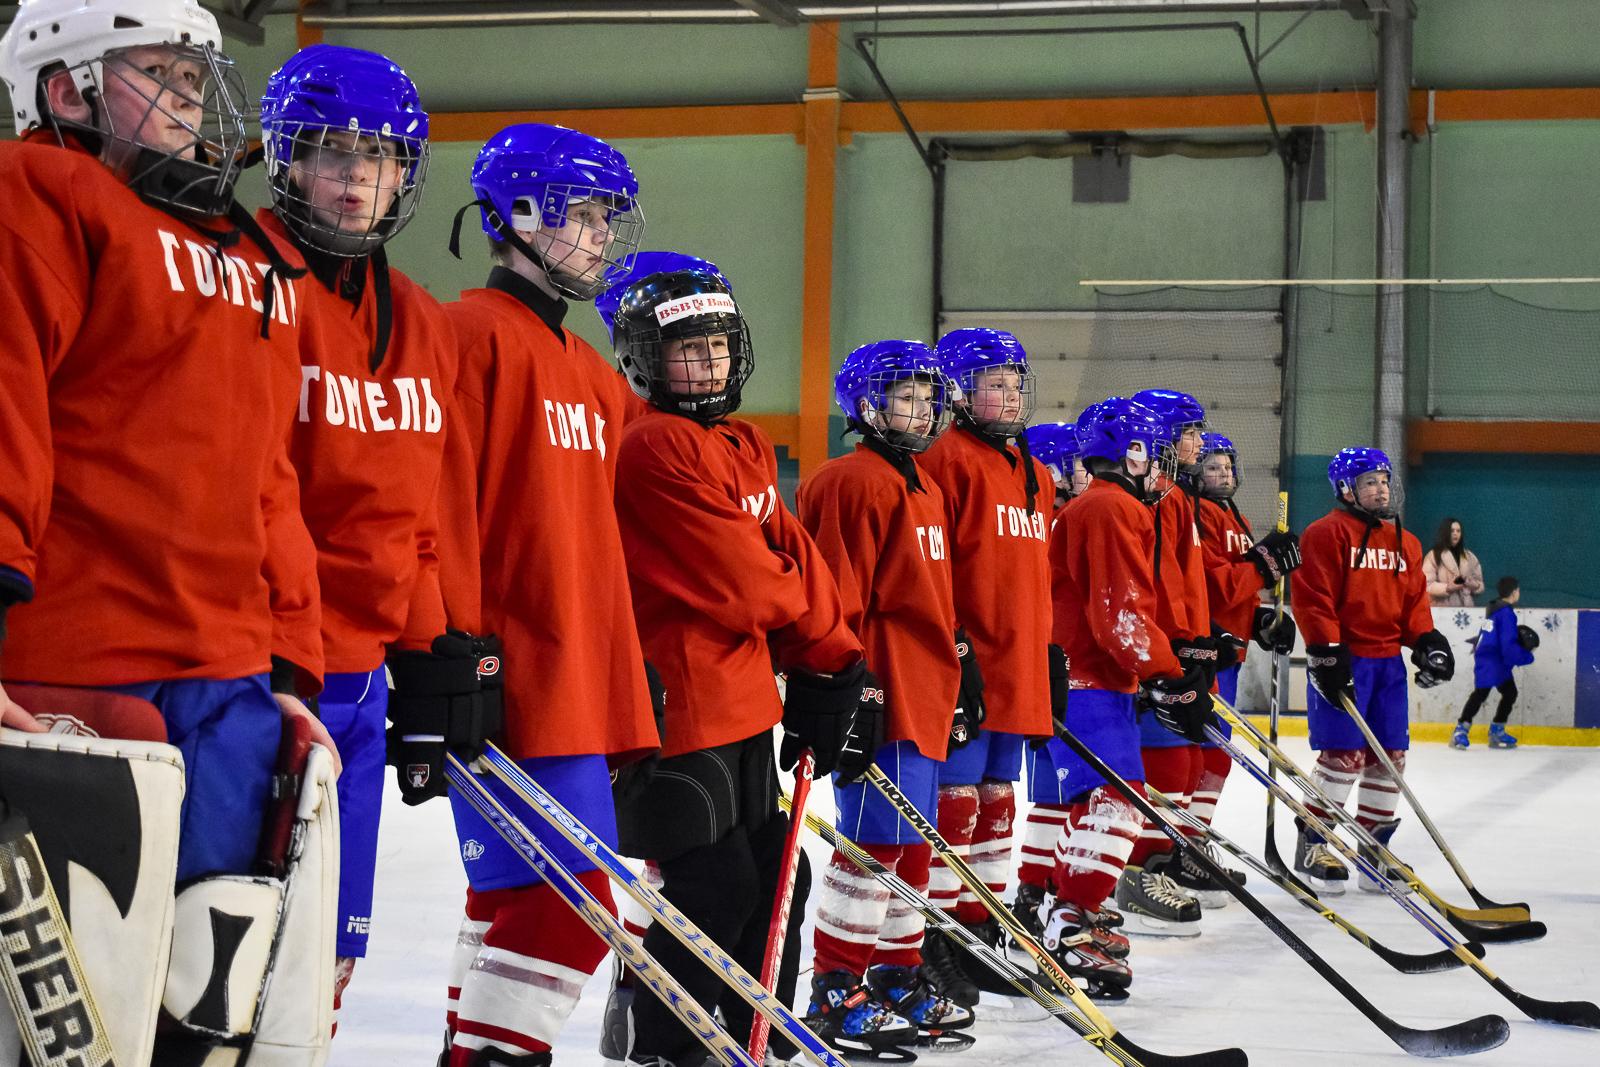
(879, 520)
(1148, 891)
(726, 586)
(150, 533)
(1358, 597)
(1055, 444)
(1104, 598)
(537, 418)
(347, 147)
(1500, 645)
(997, 501)
(1237, 569)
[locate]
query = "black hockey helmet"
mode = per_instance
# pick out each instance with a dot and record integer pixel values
(682, 343)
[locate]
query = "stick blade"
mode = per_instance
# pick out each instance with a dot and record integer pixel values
(1427, 962)
(1459, 1039)
(1562, 1012)
(1222, 1057)
(1499, 933)
(1484, 902)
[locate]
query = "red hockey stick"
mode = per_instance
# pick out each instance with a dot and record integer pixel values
(785, 897)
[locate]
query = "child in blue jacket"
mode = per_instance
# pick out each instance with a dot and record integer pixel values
(1501, 645)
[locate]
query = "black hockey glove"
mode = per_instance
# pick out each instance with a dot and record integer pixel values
(449, 699)
(1328, 668)
(1433, 659)
(1182, 705)
(866, 736)
(1272, 633)
(970, 701)
(818, 714)
(629, 782)
(1060, 676)
(1229, 647)
(1528, 638)
(1275, 555)
(1208, 653)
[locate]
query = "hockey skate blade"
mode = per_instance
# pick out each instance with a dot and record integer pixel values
(1212, 899)
(865, 1053)
(1324, 887)
(1498, 933)
(1150, 926)
(1458, 1039)
(942, 1041)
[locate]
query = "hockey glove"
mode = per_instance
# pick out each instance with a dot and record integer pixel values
(818, 714)
(1208, 653)
(1433, 659)
(629, 781)
(1328, 667)
(1272, 633)
(1275, 555)
(1060, 676)
(971, 700)
(445, 700)
(866, 736)
(1229, 647)
(1528, 638)
(1182, 705)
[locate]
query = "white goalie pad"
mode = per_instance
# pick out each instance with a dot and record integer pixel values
(253, 956)
(105, 815)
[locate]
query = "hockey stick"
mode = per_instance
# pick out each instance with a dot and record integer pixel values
(1274, 860)
(1047, 963)
(1566, 1012)
(1458, 1039)
(783, 901)
(1416, 806)
(1466, 920)
(1106, 1038)
(597, 916)
(1404, 962)
(725, 966)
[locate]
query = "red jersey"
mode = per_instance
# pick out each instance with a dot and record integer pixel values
(145, 486)
(1233, 585)
(1374, 603)
(367, 445)
(1180, 574)
(1103, 590)
(530, 461)
(1000, 572)
(725, 580)
(888, 547)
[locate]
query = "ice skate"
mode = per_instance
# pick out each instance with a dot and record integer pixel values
(943, 967)
(616, 1022)
(1025, 906)
(493, 1056)
(1383, 832)
(906, 993)
(1069, 937)
(846, 1015)
(1498, 738)
(1153, 904)
(1193, 879)
(981, 975)
(1103, 926)
(1319, 863)
(1458, 736)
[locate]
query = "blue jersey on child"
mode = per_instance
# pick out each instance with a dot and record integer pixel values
(1498, 649)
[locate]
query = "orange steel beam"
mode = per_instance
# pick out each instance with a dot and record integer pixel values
(783, 429)
(1546, 438)
(727, 120)
(305, 36)
(816, 301)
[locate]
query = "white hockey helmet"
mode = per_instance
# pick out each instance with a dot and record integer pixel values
(77, 33)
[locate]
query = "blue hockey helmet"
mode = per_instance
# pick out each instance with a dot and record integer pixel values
(1180, 413)
(1360, 469)
(329, 88)
(1118, 428)
(1219, 468)
(682, 343)
(530, 176)
(909, 419)
(645, 264)
(976, 358)
(1055, 444)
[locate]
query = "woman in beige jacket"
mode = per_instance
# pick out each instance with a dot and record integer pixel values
(1453, 573)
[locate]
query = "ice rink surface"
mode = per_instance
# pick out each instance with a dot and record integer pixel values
(1520, 821)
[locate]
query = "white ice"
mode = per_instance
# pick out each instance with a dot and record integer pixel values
(1516, 819)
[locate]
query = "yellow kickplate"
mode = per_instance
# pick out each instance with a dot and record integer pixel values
(1295, 726)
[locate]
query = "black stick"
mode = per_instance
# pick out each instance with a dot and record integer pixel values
(1458, 1039)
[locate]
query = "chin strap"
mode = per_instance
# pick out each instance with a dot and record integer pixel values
(1001, 444)
(279, 267)
(385, 299)
(896, 457)
(1372, 523)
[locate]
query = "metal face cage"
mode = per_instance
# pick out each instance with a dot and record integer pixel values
(909, 411)
(591, 233)
(347, 190)
(1000, 399)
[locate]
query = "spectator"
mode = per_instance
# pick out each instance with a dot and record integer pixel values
(1499, 646)
(1453, 574)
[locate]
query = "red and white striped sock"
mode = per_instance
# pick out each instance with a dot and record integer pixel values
(1214, 767)
(851, 908)
(900, 938)
(1378, 796)
(1098, 849)
(1335, 774)
(991, 844)
(469, 939)
(958, 819)
(635, 919)
(529, 971)
(1046, 824)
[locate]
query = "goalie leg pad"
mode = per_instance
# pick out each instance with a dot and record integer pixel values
(105, 816)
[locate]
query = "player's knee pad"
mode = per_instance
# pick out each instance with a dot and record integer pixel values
(104, 814)
(252, 969)
(717, 885)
